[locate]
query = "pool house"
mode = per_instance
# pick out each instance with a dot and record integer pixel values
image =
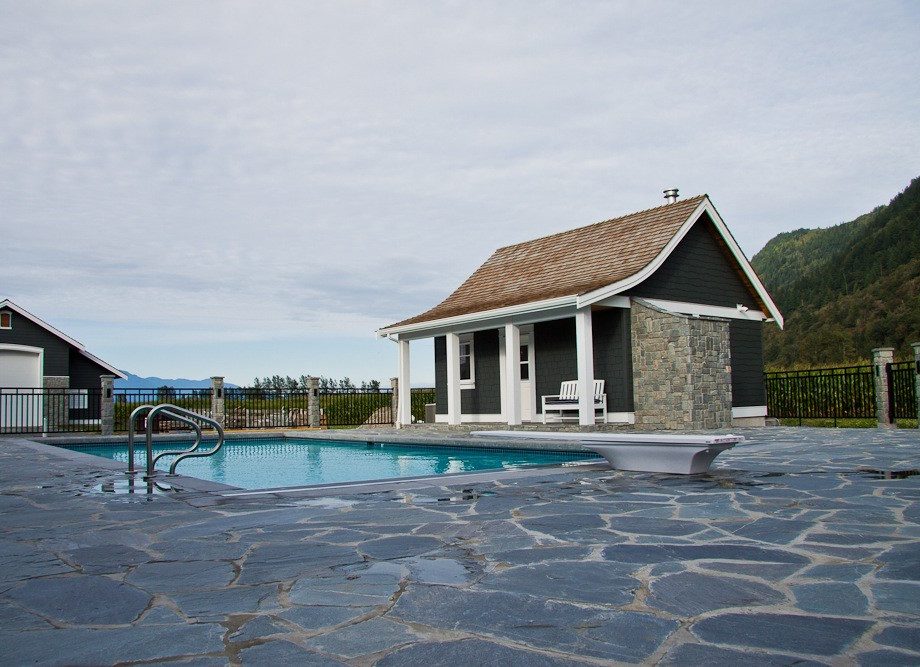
(653, 319)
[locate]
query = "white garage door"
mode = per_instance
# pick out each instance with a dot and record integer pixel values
(20, 370)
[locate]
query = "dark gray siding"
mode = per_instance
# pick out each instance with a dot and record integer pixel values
(485, 398)
(554, 362)
(747, 363)
(698, 271)
(84, 373)
(24, 332)
(613, 357)
(554, 356)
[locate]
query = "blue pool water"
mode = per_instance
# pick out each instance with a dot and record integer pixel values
(261, 463)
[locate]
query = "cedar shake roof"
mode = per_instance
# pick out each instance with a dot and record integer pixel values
(565, 264)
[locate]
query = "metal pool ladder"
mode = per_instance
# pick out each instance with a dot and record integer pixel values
(193, 419)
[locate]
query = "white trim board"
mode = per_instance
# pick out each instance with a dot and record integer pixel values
(705, 206)
(703, 309)
(480, 320)
(750, 411)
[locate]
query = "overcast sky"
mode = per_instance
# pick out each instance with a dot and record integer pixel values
(199, 188)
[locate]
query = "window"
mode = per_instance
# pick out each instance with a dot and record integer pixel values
(78, 399)
(467, 362)
(525, 361)
(6, 320)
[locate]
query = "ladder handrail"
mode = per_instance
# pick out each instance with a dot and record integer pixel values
(190, 422)
(180, 414)
(131, 421)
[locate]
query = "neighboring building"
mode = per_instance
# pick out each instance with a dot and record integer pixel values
(661, 304)
(35, 355)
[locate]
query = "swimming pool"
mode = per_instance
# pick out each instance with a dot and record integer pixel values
(261, 463)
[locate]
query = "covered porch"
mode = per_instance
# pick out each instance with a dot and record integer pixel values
(496, 367)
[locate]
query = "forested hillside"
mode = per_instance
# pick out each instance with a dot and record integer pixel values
(846, 289)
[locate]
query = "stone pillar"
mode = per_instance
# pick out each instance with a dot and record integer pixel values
(313, 414)
(681, 369)
(218, 411)
(916, 347)
(881, 357)
(394, 401)
(107, 404)
(55, 408)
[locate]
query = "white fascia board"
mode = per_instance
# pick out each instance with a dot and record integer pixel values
(744, 263)
(108, 367)
(12, 347)
(750, 411)
(615, 302)
(705, 206)
(6, 303)
(525, 313)
(704, 309)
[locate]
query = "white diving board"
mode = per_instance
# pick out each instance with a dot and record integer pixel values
(641, 452)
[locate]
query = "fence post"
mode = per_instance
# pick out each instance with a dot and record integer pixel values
(313, 417)
(916, 347)
(218, 412)
(107, 404)
(881, 357)
(394, 401)
(55, 401)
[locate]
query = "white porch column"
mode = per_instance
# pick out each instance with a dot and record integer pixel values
(453, 379)
(584, 347)
(404, 388)
(512, 388)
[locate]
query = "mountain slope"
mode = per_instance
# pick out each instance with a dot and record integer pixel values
(846, 289)
(137, 382)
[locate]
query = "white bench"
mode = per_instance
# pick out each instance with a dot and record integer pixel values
(567, 400)
(642, 452)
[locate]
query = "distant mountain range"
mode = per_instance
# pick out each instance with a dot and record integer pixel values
(846, 289)
(137, 382)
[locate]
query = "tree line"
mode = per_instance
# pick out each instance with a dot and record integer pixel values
(287, 383)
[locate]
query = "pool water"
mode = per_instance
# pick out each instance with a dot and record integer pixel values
(261, 463)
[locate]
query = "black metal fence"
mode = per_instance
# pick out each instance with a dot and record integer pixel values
(250, 407)
(355, 407)
(50, 410)
(902, 392)
(421, 396)
(821, 393)
(196, 400)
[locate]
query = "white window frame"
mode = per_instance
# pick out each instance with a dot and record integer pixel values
(467, 339)
(78, 399)
(9, 319)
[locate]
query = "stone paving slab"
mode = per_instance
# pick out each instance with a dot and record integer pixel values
(796, 548)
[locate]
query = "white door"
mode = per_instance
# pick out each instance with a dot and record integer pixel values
(20, 372)
(526, 357)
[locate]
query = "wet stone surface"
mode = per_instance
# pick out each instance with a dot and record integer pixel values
(788, 552)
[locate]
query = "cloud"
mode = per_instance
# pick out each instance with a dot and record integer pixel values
(329, 168)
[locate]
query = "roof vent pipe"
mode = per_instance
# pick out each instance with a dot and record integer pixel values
(671, 195)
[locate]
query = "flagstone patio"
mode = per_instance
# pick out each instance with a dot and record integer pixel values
(803, 546)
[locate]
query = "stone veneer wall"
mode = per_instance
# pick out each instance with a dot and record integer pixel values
(681, 369)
